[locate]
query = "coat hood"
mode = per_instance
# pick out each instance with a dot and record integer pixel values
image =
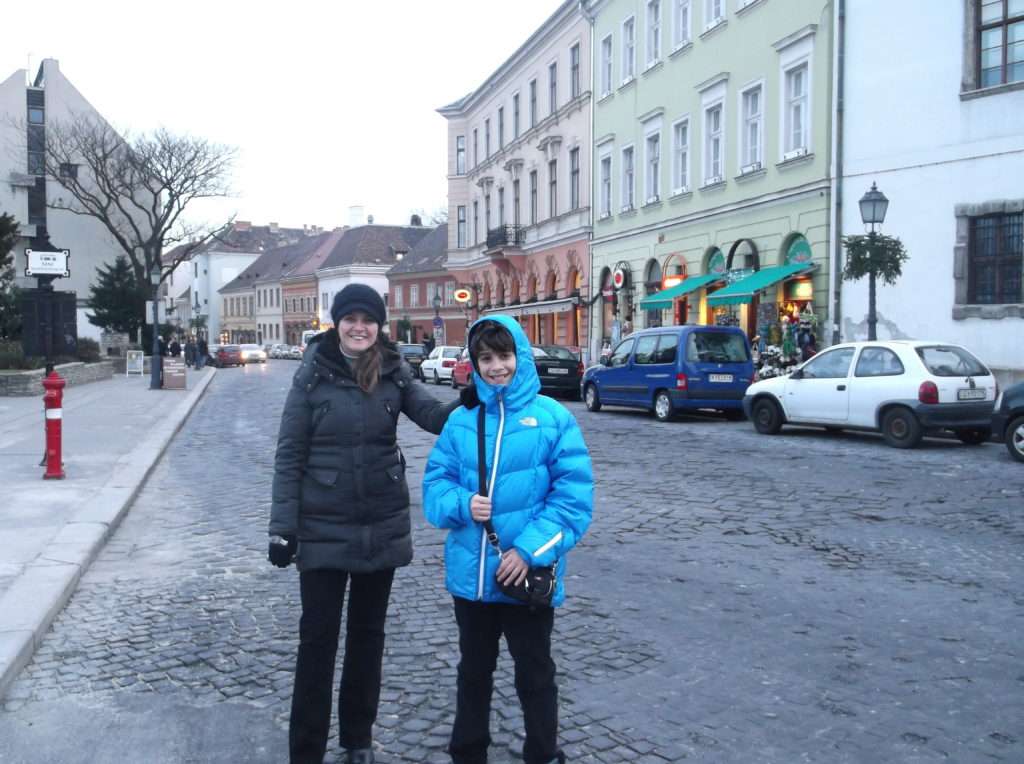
(525, 384)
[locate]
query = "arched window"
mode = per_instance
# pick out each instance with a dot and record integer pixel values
(796, 249)
(714, 261)
(743, 256)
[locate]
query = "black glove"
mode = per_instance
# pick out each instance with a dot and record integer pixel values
(280, 554)
(468, 397)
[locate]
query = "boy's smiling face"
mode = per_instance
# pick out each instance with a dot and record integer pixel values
(496, 368)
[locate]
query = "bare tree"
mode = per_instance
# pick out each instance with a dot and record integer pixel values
(139, 189)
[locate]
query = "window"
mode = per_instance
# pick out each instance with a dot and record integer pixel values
(553, 87)
(533, 197)
(574, 71)
(628, 49)
(606, 65)
(832, 364)
(627, 179)
(750, 159)
(574, 179)
(715, 347)
(533, 103)
(476, 222)
(476, 148)
(515, 116)
(606, 186)
(460, 240)
(796, 109)
(259, 298)
(620, 356)
(553, 188)
(414, 295)
(653, 180)
(501, 206)
(995, 257)
(487, 138)
(195, 270)
(429, 292)
(713, 145)
(946, 361)
(681, 157)
(1001, 34)
(487, 212)
(36, 116)
(37, 203)
(68, 170)
(653, 31)
(501, 127)
(878, 362)
(667, 344)
(714, 12)
(460, 155)
(646, 348)
(681, 23)
(516, 219)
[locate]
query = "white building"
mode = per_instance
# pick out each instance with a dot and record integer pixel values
(26, 110)
(938, 123)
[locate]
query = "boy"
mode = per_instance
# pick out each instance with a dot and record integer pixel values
(539, 498)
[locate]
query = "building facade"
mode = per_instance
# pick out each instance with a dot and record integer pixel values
(519, 184)
(711, 156)
(953, 174)
(413, 283)
(299, 309)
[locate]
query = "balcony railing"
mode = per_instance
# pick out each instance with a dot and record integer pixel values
(506, 236)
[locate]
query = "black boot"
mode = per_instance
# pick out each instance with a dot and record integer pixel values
(358, 756)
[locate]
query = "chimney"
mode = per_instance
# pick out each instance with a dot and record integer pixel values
(355, 215)
(272, 227)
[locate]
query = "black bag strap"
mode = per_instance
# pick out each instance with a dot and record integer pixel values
(481, 459)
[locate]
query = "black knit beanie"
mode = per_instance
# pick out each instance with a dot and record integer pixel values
(358, 297)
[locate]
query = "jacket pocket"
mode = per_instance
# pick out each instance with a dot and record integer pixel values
(323, 476)
(397, 473)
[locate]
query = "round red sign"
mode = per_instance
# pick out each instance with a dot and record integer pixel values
(462, 295)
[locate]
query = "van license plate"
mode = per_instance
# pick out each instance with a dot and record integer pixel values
(719, 377)
(971, 394)
(558, 371)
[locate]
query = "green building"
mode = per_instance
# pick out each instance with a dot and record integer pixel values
(711, 165)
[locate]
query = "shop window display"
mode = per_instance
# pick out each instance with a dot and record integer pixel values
(787, 336)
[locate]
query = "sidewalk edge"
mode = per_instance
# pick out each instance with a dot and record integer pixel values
(38, 596)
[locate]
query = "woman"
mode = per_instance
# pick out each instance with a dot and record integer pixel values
(341, 511)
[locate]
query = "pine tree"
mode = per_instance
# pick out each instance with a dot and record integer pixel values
(117, 301)
(10, 318)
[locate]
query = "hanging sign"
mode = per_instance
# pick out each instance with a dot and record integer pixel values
(462, 295)
(620, 277)
(41, 263)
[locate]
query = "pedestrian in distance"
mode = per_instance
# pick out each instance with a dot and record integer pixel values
(340, 510)
(202, 352)
(175, 348)
(539, 501)
(190, 352)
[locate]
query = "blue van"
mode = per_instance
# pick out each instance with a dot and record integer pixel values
(669, 369)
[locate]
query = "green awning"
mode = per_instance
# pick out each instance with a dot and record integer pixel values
(743, 291)
(663, 300)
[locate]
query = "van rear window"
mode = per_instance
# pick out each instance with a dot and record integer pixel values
(716, 347)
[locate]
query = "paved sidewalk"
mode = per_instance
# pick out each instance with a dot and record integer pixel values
(113, 433)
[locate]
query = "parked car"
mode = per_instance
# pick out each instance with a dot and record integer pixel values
(278, 350)
(294, 353)
(228, 355)
(253, 354)
(462, 372)
(904, 389)
(674, 368)
(414, 355)
(1008, 420)
(559, 368)
(439, 364)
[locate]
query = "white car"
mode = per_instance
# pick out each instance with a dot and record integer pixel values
(901, 388)
(253, 354)
(439, 365)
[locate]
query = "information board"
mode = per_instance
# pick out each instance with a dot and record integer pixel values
(133, 363)
(174, 373)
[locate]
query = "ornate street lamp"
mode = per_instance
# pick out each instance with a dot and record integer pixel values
(873, 206)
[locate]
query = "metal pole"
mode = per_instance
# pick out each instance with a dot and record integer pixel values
(872, 319)
(155, 364)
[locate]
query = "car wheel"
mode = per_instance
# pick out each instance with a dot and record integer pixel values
(455, 385)
(662, 407)
(1015, 439)
(437, 378)
(767, 416)
(591, 398)
(974, 436)
(901, 429)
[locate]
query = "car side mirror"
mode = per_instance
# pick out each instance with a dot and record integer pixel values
(798, 374)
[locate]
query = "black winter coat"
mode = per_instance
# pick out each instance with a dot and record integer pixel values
(339, 476)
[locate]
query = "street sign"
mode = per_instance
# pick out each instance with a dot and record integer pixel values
(41, 263)
(133, 362)
(174, 373)
(438, 322)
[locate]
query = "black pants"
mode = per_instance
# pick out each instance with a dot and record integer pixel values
(528, 634)
(323, 595)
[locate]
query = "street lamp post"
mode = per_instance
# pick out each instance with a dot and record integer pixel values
(438, 321)
(873, 206)
(155, 366)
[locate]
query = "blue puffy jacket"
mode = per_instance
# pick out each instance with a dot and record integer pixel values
(543, 493)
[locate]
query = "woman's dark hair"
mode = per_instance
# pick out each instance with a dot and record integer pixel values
(492, 336)
(367, 365)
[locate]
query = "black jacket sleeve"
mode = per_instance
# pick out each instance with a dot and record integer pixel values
(290, 459)
(422, 407)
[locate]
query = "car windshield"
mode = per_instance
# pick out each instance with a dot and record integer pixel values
(716, 347)
(554, 351)
(948, 361)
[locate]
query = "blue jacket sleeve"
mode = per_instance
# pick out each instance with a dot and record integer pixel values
(569, 506)
(445, 499)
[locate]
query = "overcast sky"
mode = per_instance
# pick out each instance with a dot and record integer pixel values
(330, 104)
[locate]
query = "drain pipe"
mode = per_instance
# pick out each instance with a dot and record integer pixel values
(837, 180)
(594, 349)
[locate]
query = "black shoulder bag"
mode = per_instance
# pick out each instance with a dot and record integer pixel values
(538, 587)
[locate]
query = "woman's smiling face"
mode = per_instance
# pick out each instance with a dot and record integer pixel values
(357, 332)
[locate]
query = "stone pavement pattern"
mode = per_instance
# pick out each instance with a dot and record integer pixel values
(809, 597)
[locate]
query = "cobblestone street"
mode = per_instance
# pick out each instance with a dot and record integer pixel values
(739, 598)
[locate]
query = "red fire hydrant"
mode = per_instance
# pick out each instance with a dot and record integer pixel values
(53, 400)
